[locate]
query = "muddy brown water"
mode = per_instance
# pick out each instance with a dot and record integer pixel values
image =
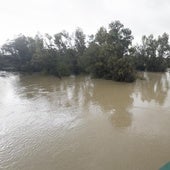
(79, 123)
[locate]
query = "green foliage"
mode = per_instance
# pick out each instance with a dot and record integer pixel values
(152, 53)
(168, 61)
(108, 54)
(157, 64)
(124, 70)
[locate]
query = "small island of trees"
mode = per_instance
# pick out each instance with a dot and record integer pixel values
(109, 54)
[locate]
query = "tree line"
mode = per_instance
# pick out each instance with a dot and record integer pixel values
(108, 54)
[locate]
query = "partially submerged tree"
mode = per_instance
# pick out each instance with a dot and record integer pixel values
(108, 54)
(152, 54)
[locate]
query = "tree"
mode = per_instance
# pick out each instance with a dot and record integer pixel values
(38, 59)
(109, 50)
(108, 54)
(152, 53)
(163, 45)
(22, 50)
(101, 36)
(80, 44)
(119, 38)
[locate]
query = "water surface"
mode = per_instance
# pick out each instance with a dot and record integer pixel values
(79, 123)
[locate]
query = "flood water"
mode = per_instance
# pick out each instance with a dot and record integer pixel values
(79, 123)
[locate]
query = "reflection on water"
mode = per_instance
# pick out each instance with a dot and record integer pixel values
(116, 99)
(155, 87)
(83, 92)
(83, 123)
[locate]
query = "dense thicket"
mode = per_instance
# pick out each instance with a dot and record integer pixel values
(153, 54)
(108, 54)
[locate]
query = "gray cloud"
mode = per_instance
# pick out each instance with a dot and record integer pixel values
(30, 16)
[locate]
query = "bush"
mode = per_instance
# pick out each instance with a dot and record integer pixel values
(123, 70)
(156, 64)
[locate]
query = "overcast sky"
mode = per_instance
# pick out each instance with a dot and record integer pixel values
(52, 16)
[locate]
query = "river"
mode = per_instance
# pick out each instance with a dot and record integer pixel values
(79, 123)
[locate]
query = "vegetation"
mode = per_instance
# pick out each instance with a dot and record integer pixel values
(108, 54)
(153, 54)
